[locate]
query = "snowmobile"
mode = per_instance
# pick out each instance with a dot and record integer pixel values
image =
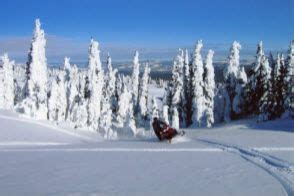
(165, 132)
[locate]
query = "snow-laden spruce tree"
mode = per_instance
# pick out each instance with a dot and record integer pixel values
(235, 81)
(35, 101)
(258, 83)
(96, 80)
(289, 80)
(7, 84)
(106, 118)
(177, 83)
(154, 113)
(124, 102)
(135, 79)
(197, 86)
(67, 69)
(125, 114)
(231, 71)
(277, 89)
(167, 97)
(209, 88)
(117, 93)
(239, 98)
(265, 88)
(111, 82)
(72, 89)
(57, 100)
(165, 114)
(130, 123)
(143, 94)
(78, 114)
(175, 119)
(187, 90)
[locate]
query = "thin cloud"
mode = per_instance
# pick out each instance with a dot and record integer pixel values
(59, 47)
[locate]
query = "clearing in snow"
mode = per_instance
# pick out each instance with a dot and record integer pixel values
(241, 158)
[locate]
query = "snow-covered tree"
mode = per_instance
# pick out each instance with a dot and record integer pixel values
(78, 114)
(165, 114)
(235, 80)
(143, 94)
(177, 83)
(7, 84)
(125, 115)
(177, 78)
(135, 79)
(259, 85)
(239, 98)
(197, 86)
(124, 102)
(231, 71)
(154, 113)
(277, 88)
(67, 69)
(209, 88)
(175, 119)
(96, 80)
(265, 88)
(35, 102)
(289, 80)
(111, 79)
(72, 87)
(187, 91)
(117, 93)
(167, 97)
(106, 118)
(57, 100)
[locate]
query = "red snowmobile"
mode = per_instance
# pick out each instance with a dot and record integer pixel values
(163, 131)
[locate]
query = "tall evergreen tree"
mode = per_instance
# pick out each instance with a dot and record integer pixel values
(79, 97)
(177, 83)
(96, 80)
(235, 81)
(111, 82)
(187, 93)
(259, 78)
(143, 94)
(125, 115)
(135, 80)
(106, 118)
(265, 88)
(7, 84)
(289, 80)
(276, 93)
(209, 88)
(57, 100)
(197, 85)
(35, 102)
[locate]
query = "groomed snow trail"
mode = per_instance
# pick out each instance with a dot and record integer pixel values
(109, 149)
(281, 170)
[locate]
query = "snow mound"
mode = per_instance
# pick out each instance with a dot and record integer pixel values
(180, 139)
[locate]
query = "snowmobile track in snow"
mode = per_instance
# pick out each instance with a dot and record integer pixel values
(281, 170)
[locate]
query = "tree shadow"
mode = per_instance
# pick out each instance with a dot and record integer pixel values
(284, 125)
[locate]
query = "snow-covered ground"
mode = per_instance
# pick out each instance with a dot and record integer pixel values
(240, 158)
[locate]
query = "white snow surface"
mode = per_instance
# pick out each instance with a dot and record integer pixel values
(237, 158)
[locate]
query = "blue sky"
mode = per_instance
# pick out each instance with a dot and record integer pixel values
(157, 28)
